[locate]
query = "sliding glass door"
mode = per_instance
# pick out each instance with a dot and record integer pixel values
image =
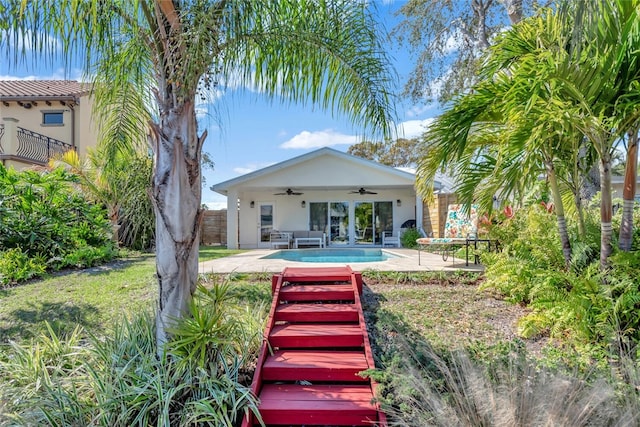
(364, 225)
(339, 220)
(369, 220)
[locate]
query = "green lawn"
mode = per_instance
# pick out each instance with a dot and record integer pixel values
(208, 253)
(446, 309)
(94, 298)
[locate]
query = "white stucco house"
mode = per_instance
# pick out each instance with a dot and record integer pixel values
(350, 199)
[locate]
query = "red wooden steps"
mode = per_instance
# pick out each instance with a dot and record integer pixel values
(321, 335)
(317, 292)
(311, 366)
(315, 345)
(317, 313)
(317, 405)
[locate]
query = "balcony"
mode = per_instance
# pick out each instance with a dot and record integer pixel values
(26, 146)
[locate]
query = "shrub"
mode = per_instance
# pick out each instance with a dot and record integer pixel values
(409, 237)
(47, 219)
(582, 306)
(16, 266)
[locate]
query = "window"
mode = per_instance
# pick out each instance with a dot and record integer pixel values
(52, 118)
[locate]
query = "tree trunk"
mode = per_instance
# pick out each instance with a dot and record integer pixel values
(559, 207)
(582, 229)
(514, 10)
(629, 192)
(176, 196)
(606, 211)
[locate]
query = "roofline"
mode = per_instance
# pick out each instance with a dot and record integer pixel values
(222, 187)
(43, 97)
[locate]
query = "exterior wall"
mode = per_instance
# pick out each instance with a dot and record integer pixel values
(618, 187)
(289, 215)
(86, 130)
(77, 129)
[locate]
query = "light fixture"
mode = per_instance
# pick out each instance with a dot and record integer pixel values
(303, 204)
(252, 204)
(399, 202)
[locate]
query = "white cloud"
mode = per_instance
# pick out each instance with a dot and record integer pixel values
(413, 128)
(242, 170)
(216, 205)
(454, 42)
(58, 74)
(419, 110)
(317, 139)
(26, 41)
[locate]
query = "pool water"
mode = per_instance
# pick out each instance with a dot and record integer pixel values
(331, 255)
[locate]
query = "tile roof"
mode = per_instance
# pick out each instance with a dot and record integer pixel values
(42, 89)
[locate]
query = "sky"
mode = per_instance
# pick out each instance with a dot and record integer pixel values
(253, 132)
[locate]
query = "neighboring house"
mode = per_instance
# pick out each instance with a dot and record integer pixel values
(617, 187)
(350, 199)
(43, 118)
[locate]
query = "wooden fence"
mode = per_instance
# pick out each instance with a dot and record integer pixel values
(213, 231)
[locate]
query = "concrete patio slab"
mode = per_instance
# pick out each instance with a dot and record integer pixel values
(406, 260)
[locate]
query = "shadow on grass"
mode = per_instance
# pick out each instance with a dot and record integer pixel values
(115, 265)
(63, 318)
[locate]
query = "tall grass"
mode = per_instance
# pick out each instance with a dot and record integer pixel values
(119, 381)
(427, 389)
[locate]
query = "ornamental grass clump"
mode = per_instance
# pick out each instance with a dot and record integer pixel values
(424, 388)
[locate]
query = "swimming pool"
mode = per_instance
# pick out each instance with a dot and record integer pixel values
(332, 255)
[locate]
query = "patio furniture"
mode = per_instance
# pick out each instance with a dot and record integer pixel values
(280, 239)
(309, 238)
(390, 238)
(460, 228)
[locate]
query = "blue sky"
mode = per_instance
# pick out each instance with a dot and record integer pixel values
(256, 132)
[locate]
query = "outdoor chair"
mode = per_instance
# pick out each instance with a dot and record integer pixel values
(390, 238)
(280, 239)
(460, 228)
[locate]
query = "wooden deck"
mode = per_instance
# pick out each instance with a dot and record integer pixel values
(315, 346)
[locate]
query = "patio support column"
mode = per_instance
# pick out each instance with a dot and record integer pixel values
(232, 220)
(419, 212)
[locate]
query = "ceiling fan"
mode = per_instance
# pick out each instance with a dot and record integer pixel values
(288, 192)
(363, 191)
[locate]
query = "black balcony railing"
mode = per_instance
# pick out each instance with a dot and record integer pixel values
(1, 134)
(39, 148)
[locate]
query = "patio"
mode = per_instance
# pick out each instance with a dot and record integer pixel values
(407, 260)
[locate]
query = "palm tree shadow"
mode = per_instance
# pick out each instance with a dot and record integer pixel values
(63, 317)
(108, 268)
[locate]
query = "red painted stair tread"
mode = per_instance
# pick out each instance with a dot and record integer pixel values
(293, 274)
(285, 404)
(316, 335)
(316, 292)
(317, 313)
(315, 365)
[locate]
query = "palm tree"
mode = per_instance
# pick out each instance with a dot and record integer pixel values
(326, 52)
(500, 137)
(600, 80)
(563, 75)
(629, 191)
